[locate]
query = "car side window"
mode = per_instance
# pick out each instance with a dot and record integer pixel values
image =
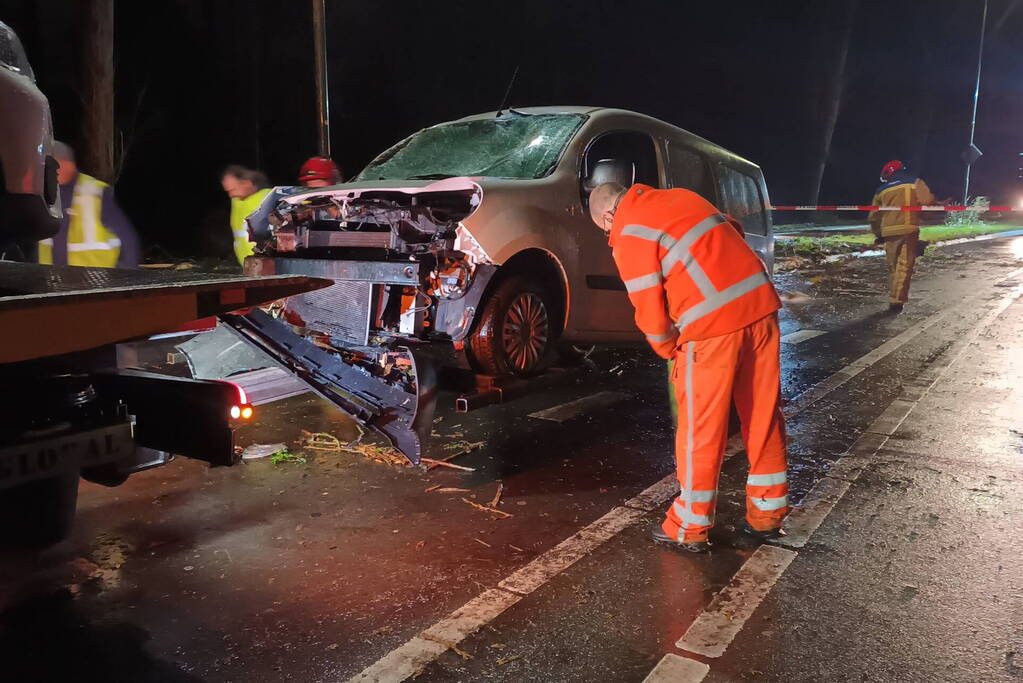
(742, 199)
(688, 169)
(630, 146)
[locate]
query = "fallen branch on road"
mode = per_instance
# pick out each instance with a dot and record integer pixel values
(448, 644)
(501, 513)
(431, 463)
(497, 496)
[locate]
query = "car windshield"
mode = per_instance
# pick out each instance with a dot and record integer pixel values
(510, 146)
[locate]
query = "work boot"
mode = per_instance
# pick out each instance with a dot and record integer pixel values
(768, 535)
(691, 546)
(895, 309)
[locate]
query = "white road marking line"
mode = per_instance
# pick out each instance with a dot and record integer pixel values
(402, 662)
(889, 420)
(675, 669)
(716, 627)
(801, 336)
(411, 657)
(572, 409)
(548, 565)
(804, 520)
(468, 618)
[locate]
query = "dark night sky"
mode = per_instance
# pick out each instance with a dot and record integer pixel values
(204, 83)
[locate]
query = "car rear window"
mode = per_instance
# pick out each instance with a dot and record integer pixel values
(510, 146)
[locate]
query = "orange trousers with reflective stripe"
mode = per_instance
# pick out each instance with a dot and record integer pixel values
(744, 367)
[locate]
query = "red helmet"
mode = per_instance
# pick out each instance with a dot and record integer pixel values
(889, 169)
(319, 168)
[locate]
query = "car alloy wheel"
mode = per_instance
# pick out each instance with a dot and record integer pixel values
(525, 331)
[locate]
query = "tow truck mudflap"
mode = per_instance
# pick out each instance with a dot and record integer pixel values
(404, 418)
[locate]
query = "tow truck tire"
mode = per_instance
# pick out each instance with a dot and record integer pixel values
(39, 513)
(517, 333)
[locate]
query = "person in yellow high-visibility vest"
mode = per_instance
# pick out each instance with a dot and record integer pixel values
(94, 231)
(246, 188)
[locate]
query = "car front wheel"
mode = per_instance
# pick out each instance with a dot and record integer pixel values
(517, 333)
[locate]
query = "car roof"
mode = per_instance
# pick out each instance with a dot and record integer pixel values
(600, 112)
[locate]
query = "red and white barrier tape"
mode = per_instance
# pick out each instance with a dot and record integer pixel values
(864, 207)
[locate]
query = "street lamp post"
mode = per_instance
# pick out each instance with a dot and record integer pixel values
(972, 153)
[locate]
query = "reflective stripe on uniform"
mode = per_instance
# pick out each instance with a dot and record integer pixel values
(766, 479)
(707, 496)
(679, 250)
(643, 232)
(112, 243)
(667, 336)
(768, 504)
(722, 298)
(690, 519)
(638, 284)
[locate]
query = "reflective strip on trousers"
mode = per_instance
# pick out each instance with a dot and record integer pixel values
(686, 515)
(772, 479)
(699, 496)
(690, 519)
(768, 504)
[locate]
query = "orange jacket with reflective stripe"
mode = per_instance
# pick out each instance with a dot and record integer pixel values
(688, 271)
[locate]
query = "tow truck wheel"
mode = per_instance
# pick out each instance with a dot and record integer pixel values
(516, 333)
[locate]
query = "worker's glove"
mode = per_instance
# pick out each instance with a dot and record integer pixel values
(878, 240)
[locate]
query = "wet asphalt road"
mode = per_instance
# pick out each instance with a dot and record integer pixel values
(316, 571)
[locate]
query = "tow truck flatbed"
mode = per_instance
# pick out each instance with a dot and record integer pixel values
(52, 310)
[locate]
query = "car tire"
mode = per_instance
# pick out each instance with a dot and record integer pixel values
(517, 332)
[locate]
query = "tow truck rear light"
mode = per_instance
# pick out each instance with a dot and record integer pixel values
(243, 412)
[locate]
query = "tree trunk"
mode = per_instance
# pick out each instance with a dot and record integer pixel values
(834, 89)
(96, 155)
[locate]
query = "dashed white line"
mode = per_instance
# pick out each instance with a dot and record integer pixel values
(573, 409)
(675, 669)
(548, 565)
(716, 627)
(800, 336)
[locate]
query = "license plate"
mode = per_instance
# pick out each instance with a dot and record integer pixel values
(65, 453)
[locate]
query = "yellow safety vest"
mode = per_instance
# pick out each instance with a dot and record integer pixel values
(89, 243)
(240, 210)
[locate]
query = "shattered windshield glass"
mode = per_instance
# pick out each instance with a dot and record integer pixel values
(511, 146)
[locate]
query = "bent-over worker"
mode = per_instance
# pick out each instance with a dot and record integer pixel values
(899, 230)
(704, 299)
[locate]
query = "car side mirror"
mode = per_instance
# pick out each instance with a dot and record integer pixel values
(618, 171)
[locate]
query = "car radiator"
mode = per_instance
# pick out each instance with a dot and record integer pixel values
(341, 310)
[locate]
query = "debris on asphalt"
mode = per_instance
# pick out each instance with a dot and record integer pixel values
(500, 513)
(382, 454)
(448, 644)
(432, 488)
(515, 547)
(451, 489)
(497, 496)
(431, 463)
(482, 542)
(319, 441)
(284, 455)
(262, 450)
(507, 660)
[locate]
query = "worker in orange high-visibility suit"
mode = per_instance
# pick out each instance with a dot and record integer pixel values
(704, 299)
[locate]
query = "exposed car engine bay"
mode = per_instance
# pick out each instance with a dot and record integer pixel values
(406, 270)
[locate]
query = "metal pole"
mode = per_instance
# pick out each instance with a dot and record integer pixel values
(976, 96)
(322, 88)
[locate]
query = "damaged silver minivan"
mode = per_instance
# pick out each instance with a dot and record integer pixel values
(475, 233)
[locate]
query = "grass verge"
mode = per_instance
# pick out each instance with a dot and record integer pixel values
(820, 247)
